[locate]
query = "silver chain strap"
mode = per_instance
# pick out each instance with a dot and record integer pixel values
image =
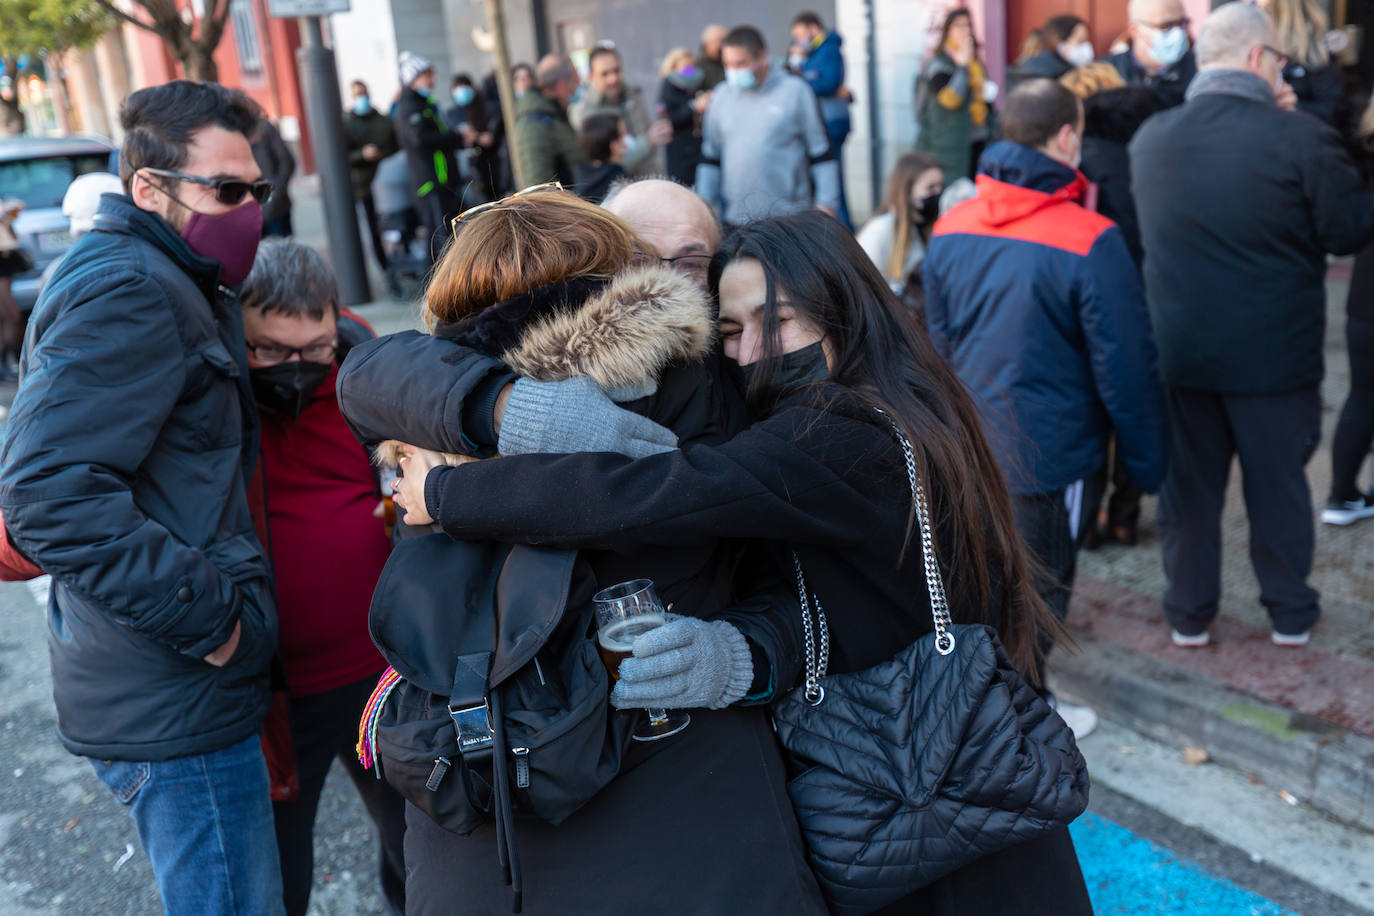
(818, 661)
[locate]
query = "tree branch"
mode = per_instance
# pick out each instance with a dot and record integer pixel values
(107, 4)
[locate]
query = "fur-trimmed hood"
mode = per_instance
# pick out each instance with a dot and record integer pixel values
(620, 333)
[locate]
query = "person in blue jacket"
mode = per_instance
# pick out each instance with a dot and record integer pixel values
(1037, 304)
(816, 58)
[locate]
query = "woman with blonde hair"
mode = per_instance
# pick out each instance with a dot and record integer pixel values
(1302, 33)
(683, 101)
(563, 292)
(895, 236)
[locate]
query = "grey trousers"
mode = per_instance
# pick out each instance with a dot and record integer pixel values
(1274, 436)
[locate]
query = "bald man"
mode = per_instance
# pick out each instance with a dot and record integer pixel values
(708, 61)
(1160, 56)
(681, 227)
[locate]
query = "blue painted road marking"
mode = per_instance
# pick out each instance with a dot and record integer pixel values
(1130, 876)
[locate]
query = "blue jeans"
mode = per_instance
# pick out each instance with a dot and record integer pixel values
(205, 822)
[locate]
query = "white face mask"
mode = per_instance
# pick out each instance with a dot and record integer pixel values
(1079, 55)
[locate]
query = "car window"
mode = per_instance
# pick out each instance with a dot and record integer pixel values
(43, 182)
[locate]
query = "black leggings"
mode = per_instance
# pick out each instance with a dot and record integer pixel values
(1355, 429)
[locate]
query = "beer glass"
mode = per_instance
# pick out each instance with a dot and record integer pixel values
(623, 612)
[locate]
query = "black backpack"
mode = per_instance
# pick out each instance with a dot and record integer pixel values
(497, 702)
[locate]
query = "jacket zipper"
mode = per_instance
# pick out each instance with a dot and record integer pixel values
(522, 767)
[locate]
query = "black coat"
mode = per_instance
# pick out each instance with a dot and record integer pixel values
(1045, 65)
(274, 158)
(429, 144)
(1168, 85)
(1320, 90)
(684, 151)
(371, 129)
(1110, 120)
(708, 802)
(594, 179)
(1236, 241)
(833, 484)
(124, 474)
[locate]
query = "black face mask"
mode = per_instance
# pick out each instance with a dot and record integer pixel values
(287, 387)
(792, 370)
(929, 209)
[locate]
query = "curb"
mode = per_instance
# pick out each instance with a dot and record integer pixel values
(1325, 766)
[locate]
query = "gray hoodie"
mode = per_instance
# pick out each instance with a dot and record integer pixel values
(765, 151)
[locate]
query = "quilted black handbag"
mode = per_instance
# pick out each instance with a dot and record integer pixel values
(922, 764)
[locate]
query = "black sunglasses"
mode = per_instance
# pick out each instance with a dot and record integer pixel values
(228, 191)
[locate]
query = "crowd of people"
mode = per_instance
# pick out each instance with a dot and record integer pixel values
(670, 358)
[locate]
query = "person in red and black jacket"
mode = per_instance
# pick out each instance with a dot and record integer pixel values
(315, 501)
(1038, 306)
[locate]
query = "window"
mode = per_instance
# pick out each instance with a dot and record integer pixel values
(246, 36)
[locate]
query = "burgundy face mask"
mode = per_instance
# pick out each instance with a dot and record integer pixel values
(230, 238)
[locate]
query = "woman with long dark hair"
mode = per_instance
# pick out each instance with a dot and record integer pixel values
(831, 361)
(1060, 45)
(953, 96)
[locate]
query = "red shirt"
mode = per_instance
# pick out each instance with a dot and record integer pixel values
(327, 549)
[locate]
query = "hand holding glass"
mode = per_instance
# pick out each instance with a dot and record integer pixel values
(623, 613)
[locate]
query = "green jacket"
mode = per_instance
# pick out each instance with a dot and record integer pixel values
(548, 146)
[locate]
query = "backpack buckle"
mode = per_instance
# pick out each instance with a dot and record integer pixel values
(473, 724)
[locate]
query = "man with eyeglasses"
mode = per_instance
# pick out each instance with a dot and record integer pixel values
(315, 498)
(1239, 203)
(681, 227)
(125, 474)
(1160, 56)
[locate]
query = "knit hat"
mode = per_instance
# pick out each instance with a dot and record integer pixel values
(412, 65)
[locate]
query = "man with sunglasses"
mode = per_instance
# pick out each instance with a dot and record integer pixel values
(1239, 203)
(125, 475)
(1160, 56)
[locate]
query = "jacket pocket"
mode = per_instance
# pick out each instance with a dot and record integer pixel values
(210, 398)
(123, 778)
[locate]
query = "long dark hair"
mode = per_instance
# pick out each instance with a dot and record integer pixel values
(886, 359)
(952, 17)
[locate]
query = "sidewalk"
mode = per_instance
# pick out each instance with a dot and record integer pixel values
(1300, 720)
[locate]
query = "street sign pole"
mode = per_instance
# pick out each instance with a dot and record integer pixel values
(324, 114)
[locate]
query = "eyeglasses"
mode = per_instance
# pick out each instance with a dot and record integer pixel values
(228, 191)
(1171, 24)
(693, 265)
(280, 353)
(493, 204)
(1278, 55)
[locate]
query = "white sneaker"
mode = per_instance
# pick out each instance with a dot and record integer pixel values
(1191, 642)
(1293, 640)
(1348, 512)
(1081, 720)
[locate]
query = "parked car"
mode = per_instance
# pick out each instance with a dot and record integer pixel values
(37, 170)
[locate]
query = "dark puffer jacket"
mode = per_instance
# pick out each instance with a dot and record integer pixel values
(1110, 120)
(1037, 305)
(124, 475)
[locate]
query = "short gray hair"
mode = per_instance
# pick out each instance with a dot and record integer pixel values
(1230, 33)
(291, 278)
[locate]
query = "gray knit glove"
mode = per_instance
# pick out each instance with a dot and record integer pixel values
(576, 416)
(687, 663)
